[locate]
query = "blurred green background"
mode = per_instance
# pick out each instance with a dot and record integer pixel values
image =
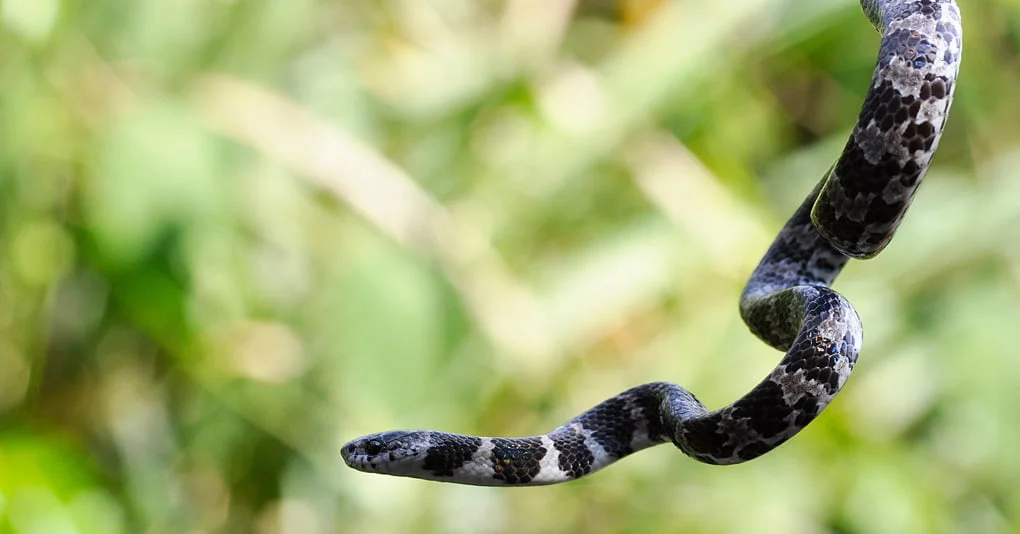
(235, 234)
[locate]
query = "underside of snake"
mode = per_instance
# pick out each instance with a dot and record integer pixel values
(852, 213)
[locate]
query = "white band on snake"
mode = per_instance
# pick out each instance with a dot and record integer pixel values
(852, 213)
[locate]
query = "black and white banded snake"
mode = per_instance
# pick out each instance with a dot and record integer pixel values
(852, 213)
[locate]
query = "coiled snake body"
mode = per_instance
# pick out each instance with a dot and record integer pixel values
(852, 212)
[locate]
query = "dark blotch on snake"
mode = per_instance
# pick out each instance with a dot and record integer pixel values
(575, 456)
(441, 461)
(516, 460)
(611, 426)
(769, 409)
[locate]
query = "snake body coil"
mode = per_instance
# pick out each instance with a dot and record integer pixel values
(852, 212)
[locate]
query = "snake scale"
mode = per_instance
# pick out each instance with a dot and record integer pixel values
(852, 213)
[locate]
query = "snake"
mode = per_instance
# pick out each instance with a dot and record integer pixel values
(852, 213)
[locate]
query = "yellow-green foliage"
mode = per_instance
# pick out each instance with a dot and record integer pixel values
(236, 233)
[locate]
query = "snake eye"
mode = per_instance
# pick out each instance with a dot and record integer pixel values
(374, 446)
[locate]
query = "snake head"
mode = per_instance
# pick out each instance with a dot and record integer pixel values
(386, 452)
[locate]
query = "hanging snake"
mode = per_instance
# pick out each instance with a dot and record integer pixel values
(852, 213)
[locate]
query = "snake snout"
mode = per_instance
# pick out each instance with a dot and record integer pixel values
(347, 453)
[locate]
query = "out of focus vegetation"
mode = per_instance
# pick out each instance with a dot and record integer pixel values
(236, 233)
